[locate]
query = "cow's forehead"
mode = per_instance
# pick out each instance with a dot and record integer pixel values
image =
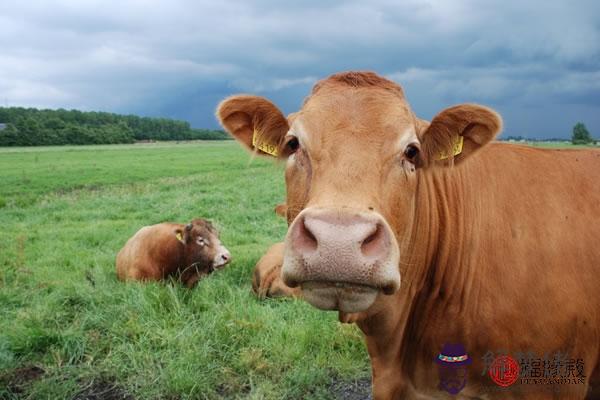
(355, 113)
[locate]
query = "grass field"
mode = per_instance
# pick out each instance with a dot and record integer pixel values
(70, 329)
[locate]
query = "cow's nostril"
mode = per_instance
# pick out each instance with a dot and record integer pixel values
(225, 257)
(305, 240)
(389, 289)
(373, 244)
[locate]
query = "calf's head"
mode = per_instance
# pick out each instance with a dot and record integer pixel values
(354, 155)
(201, 246)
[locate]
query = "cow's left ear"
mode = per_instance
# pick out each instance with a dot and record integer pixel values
(255, 122)
(457, 132)
(281, 209)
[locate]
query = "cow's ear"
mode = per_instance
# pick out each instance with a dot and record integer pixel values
(179, 235)
(421, 126)
(255, 122)
(457, 132)
(281, 209)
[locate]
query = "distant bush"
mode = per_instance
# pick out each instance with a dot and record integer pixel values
(581, 135)
(33, 127)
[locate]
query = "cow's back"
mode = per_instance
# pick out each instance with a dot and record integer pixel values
(146, 254)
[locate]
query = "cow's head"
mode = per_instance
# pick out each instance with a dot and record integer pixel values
(354, 154)
(202, 246)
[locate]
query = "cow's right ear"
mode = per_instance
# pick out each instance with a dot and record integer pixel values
(179, 235)
(255, 122)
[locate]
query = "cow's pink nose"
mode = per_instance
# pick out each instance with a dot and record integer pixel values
(370, 235)
(337, 247)
(223, 257)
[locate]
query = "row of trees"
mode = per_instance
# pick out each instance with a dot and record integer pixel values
(33, 127)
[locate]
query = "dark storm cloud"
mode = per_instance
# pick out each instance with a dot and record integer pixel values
(537, 62)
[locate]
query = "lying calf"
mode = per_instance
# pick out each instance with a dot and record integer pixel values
(189, 252)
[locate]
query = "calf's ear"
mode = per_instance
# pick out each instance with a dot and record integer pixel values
(179, 235)
(457, 132)
(255, 122)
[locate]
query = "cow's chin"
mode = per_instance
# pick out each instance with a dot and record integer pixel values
(349, 298)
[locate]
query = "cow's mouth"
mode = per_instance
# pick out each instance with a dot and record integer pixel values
(342, 296)
(215, 267)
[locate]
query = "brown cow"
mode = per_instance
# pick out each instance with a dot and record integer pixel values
(496, 244)
(188, 252)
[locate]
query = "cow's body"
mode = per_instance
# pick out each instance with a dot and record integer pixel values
(496, 244)
(513, 266)
(188, 252)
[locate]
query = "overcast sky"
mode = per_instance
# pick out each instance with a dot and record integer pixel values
(536, 62)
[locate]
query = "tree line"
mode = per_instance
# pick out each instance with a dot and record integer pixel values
(33, 127)
(580, 135)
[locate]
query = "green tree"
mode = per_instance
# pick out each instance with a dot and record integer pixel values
(581, 135)
(9, 136)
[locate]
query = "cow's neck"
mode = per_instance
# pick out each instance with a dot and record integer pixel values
(436, 277)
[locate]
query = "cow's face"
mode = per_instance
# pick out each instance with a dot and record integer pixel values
(354, 154)
(202, 246)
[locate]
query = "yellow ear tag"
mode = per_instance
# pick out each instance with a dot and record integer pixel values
(456, 149)
(266, 147)
(179, 236)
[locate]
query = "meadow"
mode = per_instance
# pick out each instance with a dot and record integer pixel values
(70, 330)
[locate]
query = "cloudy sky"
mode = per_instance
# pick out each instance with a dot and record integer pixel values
(536, 62)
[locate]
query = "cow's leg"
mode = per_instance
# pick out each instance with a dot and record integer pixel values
(388, 381)
(266, 280)
(191, 281)
(190, 277)
(145, 274)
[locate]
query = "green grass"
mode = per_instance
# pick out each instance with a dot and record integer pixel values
(557, 145)
(66, 211)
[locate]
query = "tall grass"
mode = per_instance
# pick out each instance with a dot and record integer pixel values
(65, 212)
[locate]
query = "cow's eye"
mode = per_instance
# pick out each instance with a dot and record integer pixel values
(292, 145)
(411, 152)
